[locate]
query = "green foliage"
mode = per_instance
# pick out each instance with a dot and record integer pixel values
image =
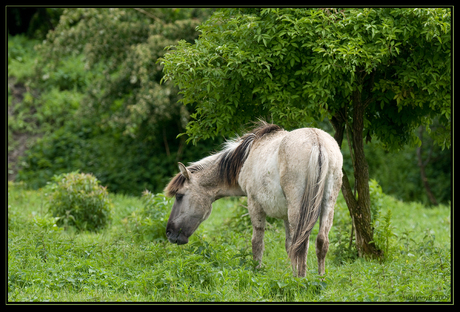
(384, 233)
(93, 89)
(50, 99)
(299, 65)
(20, 57)
(36, 107)
(376, 195)
(149, 223)
(239, 220)
(399, 175)
(342, 250)
(35, 111)
(123, 44)
(68, 73)
(378, 73)
(37, 217)
(44, 114)
(78, 200)
(123, 164)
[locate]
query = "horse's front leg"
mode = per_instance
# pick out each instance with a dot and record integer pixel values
(258, 229)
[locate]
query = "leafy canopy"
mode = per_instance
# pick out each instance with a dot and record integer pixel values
(122, 46)
(295, 66)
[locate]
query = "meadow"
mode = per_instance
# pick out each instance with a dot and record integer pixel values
(70, 108)
(125, 262)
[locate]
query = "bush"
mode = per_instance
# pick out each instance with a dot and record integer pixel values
(78, 200)
(67, 74)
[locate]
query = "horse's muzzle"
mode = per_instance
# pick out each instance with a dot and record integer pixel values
(179, 239)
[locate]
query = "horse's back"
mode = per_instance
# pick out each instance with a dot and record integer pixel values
(295, 152)
(279, 161)
(298, 144)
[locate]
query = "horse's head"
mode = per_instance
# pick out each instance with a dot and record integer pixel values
(191, 207)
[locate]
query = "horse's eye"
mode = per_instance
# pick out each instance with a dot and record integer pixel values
(179, 196)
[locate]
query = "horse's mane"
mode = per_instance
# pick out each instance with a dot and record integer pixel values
(230, 159)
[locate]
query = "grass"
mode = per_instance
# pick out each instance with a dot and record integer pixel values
(48, 264)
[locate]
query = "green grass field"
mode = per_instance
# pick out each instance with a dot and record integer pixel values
(118, 264)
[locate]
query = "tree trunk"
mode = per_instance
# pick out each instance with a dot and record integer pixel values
(359, 207)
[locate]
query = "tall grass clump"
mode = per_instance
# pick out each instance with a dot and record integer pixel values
(78, 200)
(384, 234)
(149, 222)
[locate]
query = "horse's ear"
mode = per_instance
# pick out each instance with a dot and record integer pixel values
(184, 171)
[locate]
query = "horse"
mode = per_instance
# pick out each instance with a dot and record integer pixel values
(294, 176)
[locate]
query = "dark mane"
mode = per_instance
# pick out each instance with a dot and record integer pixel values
(230, 161)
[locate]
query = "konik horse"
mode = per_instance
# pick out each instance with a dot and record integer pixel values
(295, 176)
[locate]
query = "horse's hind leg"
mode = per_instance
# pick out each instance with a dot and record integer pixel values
(287, 229)
(325, 221)
(302, 260)
(299, 263)
(322, 241)
(258, 229)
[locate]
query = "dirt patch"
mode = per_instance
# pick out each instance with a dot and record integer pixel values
(18, 142)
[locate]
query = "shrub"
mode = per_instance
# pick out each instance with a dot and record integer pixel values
(78, 200)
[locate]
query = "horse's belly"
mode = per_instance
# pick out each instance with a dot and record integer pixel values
(273, 201)
(263, 186)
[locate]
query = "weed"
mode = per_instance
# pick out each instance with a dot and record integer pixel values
(344, 251)
(384, 234)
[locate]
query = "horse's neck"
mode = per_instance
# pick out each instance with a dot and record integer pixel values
(230, 191)
(210, 178)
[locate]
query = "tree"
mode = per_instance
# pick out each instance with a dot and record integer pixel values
(429, 156)
(124, 44)
(374, 73)
(126, 123)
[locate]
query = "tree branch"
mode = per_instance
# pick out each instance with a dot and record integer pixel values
(147, 13)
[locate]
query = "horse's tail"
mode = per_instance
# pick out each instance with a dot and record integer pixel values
(310, 206)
